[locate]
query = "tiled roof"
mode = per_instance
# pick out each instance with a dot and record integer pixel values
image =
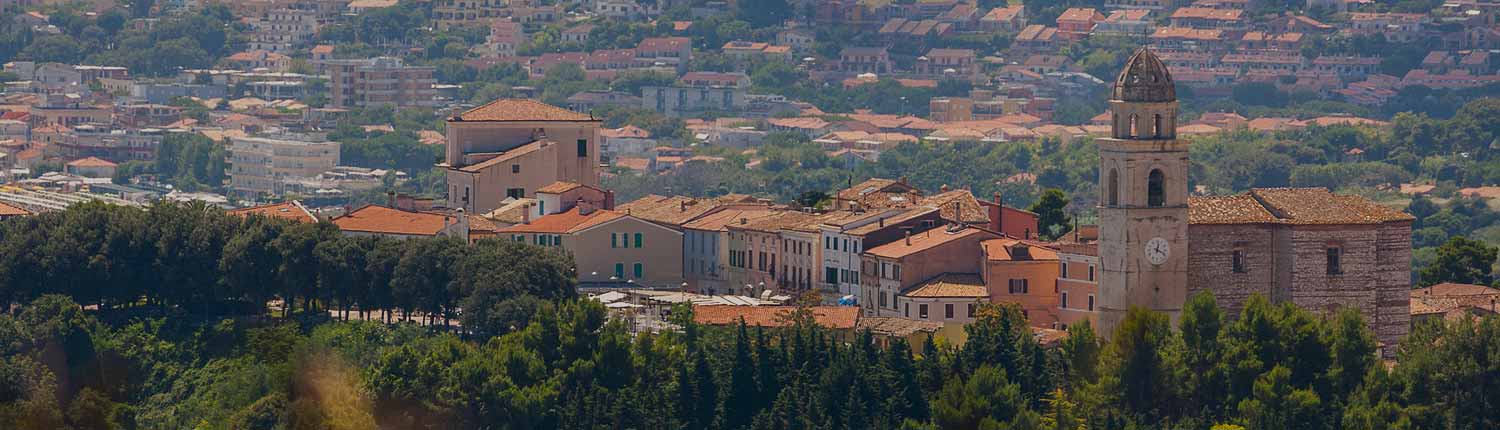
(897, 327)
(288, 210)
(91, 162)
(950, 285)
(561, 187)
(674, 210)
(1208, 13)
(923, 241)
(784, 220)
(512, 154)
(511, 213)
(909, 215)
(1008, 249)
(381, 219)
(628, 131)
(834, 317)
(479, 224)
(1453, 299)
(571, 221)
(1301, 206)
(876, 185)
(719, 221)
(959, 205)
(8, 210)
(520, 110)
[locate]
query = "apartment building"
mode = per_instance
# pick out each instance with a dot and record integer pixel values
(1077, 283)
(283, 30)
(260, 165)
(609, 248)
(380, 81)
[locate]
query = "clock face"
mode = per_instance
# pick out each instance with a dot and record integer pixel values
(1157, 251)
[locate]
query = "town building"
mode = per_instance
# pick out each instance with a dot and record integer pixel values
(915, 259)
(264, 166)
(379, 81)
(609, 248)
(401, 223)
(510, 148)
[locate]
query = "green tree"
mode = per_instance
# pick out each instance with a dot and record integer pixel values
(1052, 220)
(1461, 260)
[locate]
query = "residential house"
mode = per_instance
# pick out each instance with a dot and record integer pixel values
(958, 63)
(1126, 22)
(1207, 18)
(291, 210)
(844, 240)
(91, 167)
(865, 60)
(906, 264)
(638, 252)
(1023, 272)
(1077, 283)
(1011, 18)
(1076, 23)
(706, 250)
(261, 166)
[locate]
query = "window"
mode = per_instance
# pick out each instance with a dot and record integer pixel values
(1018, 286)
(557, 240)
(948, 311)
(1334, 268)
(1091, 302)
(1091, 272)
(906, 311)
(882, 300)
(515, 168)
(1157, 126)
(830, 275)
(637, 240)
(515, 193)
(1064, 300)
(619, 270)
(1155, 192)
(1064, 270)
(1237, 261)
(638, 269)
(583, 147)
(614, 240)
(896, 272)
(1114, 187)
(846, 245)
(971, 310)
(922, 311)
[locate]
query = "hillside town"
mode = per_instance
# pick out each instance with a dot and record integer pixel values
(747, 214)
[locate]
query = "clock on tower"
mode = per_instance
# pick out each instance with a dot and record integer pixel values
(1143, 210)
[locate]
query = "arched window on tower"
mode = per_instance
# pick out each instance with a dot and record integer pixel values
(1155, 189)
(1157, 127)
(1114, 187)
(1135, 127)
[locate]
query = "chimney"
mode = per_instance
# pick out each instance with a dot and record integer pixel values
(908, 237)
(682, 206)
(943, 188)
(1028, 234)
(609, 199)
(390, 199)
(882, 222)
(902, 180)
(744, 221)
(526, 213)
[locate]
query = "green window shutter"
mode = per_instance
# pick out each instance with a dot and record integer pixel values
(637, 240)
(619, 270)
(614, 240)
(638, 270)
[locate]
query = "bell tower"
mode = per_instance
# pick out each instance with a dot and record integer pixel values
(1143, 186)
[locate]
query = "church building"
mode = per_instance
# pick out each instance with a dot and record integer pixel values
(1308, 246)
(510, 148)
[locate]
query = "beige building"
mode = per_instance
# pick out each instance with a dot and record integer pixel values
(510, 148)
(379, 81)
(896, 267)
(261, 165)
(1077, 284)
(609, 248)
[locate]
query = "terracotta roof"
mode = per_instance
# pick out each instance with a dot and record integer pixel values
(288, 210)
(876, 185)
(834, 317)
(91, 162)
(1009, 249)
(8, 210)
(897, 327)
(1301, 206)
(628, 131)
(520, 110)
(568, 222)
(923, 241)
(719, 221)
(1454, 300)
(479, 224)
(783, 220)
(512, 154)
(909, 215)
(1208, 13)
(950, 285)
(959, 205)
(674, 210)
(511, 213)
(381, 219)
(562, 187)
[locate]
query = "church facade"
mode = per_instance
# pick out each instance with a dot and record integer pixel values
(1307, 246)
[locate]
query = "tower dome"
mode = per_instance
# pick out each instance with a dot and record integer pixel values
(1145, 79)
